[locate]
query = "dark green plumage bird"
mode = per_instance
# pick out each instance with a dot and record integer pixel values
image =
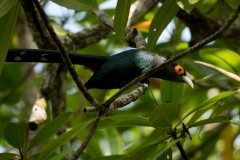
(109, 71)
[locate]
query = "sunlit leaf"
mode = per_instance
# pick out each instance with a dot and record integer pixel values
(164, 116)
(220, 70)
(187, 5)
(152, 151)
(7, 25)
(6, 5)
(208, 104)
(199, 113)
(166, 155)
(8, 156)
(124, 121)
(160, 21)
(171, 92)
(121, 17)
(79, 5)
(50, 148)
(14, 134)
(209, 121)
(235, 122)
(50, 129)
(232, 3)
(156, 136)
(112, 157)
(114, 138)
(223, 58)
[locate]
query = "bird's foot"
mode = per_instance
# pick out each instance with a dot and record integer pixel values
(90, 109)
(144, 83)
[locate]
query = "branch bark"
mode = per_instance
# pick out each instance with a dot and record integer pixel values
(65, 56)
(202, 26)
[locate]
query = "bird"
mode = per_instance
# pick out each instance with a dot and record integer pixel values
(109, 72)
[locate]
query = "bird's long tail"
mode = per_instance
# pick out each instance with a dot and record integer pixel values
(90, 61)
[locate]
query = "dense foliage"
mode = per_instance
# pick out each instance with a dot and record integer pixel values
(169, 121)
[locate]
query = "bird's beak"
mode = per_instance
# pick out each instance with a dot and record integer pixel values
(188, 81)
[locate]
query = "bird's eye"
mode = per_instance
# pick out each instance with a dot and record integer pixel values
(179, 70)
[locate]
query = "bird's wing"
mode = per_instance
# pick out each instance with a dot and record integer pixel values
(119, 70)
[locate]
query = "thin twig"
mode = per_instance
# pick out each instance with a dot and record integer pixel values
(88, 138)
(182, 151)
(65, 56)
(207, 140)
(184, 154)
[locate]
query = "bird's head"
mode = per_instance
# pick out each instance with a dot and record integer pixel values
(182, 74)
(174, 72)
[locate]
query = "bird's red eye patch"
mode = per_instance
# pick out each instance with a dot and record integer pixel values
(179, 70)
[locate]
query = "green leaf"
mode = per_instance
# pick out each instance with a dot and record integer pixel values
(7, 25)
(6, 5)
(207, 105)
(14, 134)
(50, 129)
(113, 143)
(187, 5)
(160, 21)
(209, 120)
(164, 116)
(223, 58)
(50, 148)
(232, 3)
(156, 136)
(114, 140)
(7, 156)
(199, 113)
(166, 155)
(152, 151)
(235, 122)
(163, 150)
(124, 121)
(121, 17)
(112, 157)
(171, 92)
(78, 5)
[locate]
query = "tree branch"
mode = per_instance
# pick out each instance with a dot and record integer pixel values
(66, 59)
(204, 26)
(96, 33)
(135, 38)
(88, 138)
(104, 18)
(127, 98)
(122, 101)
(36, 25)
(182, 151)
(139, 9)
